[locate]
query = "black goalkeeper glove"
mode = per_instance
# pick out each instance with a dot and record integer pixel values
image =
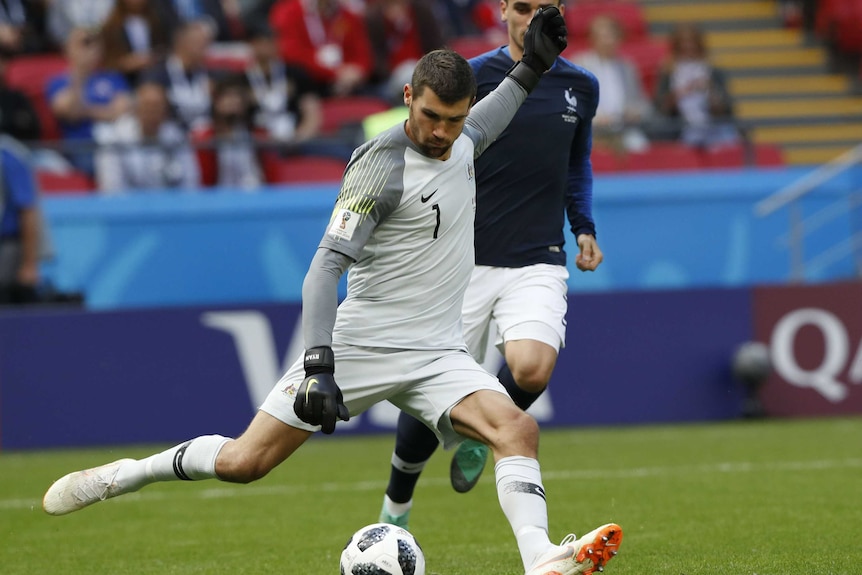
(319, 401)
(545, 39)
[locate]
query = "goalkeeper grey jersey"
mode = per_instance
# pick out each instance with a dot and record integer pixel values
(407, 222)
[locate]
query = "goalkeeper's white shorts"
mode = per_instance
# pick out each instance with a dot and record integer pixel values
(524, 303)
(425, 384)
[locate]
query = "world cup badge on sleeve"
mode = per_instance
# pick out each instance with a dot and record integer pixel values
(344, 224)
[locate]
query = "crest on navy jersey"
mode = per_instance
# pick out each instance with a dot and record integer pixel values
(571, 113)
(572, 101)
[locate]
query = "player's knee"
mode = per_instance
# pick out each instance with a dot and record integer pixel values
(528, 427)
(533, 377)
(520, 434)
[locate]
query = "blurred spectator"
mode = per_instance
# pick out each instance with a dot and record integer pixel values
(226, 148)
(184, 74)
(694, 93)
(326, 39)
(286, 107)
(791, 12)
(455, 17)
(20, 225)
(196, 10)
(401, 32)
(809, 14)
(487, 19)
(22, 26)
(66, 15)
(253, 13)
(145, 149)
(623, 106)
(85, 95)
(136, 35)
(17, 116)
(13, 19)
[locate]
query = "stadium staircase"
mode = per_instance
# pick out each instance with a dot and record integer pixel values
(785, 87)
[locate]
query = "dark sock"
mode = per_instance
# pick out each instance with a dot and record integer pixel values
(522, 399)
(414, 443)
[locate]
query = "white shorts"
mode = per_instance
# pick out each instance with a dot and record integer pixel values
(524, 303)
(425, 384)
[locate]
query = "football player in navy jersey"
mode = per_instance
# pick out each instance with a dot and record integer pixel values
(537, 171)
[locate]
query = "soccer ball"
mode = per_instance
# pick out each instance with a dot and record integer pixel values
(382, 549)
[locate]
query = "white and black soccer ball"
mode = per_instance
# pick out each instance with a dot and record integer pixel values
(382, 549)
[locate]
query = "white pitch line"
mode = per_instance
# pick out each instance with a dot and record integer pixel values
(364, 486)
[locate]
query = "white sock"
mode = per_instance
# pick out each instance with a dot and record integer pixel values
(406, 466)
(522, 498)
(193, 459)
(396, 509)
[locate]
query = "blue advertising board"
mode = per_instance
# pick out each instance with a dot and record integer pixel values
(81, 378)
(678, 231)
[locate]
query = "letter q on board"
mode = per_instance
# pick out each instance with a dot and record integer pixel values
(822, 378)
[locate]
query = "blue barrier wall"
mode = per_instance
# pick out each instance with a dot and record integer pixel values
(657, 231)
(73, 378)
(206, 351)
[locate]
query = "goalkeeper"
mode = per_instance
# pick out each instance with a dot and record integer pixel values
(403, 224)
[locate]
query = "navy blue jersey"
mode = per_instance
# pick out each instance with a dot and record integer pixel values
(538, 169)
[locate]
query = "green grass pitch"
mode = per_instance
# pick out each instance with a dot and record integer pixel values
(741, 498)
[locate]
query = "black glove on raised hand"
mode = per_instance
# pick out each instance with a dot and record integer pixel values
(545, 39)
(319, 401)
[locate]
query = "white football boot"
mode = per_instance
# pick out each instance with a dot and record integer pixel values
(582, 556)
(82, 488)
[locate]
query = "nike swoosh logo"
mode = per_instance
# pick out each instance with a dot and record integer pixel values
(424, 199)
(311, 383)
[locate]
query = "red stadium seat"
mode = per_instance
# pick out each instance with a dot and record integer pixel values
(766, 155)
(629, 15)
(663, 156)
(66, 183)
(228, 63)
(229, 56)
(30, 74)
(840, 22)
(827, 12)
(307, 169)
(725, 157)
(605, 161)
(349, 111)
(472, 46)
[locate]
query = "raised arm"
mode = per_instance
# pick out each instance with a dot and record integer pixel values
(546, 37)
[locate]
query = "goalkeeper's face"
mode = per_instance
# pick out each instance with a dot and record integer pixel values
(432, 124)
(517, 15)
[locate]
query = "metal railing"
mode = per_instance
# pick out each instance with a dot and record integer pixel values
(800, 226)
